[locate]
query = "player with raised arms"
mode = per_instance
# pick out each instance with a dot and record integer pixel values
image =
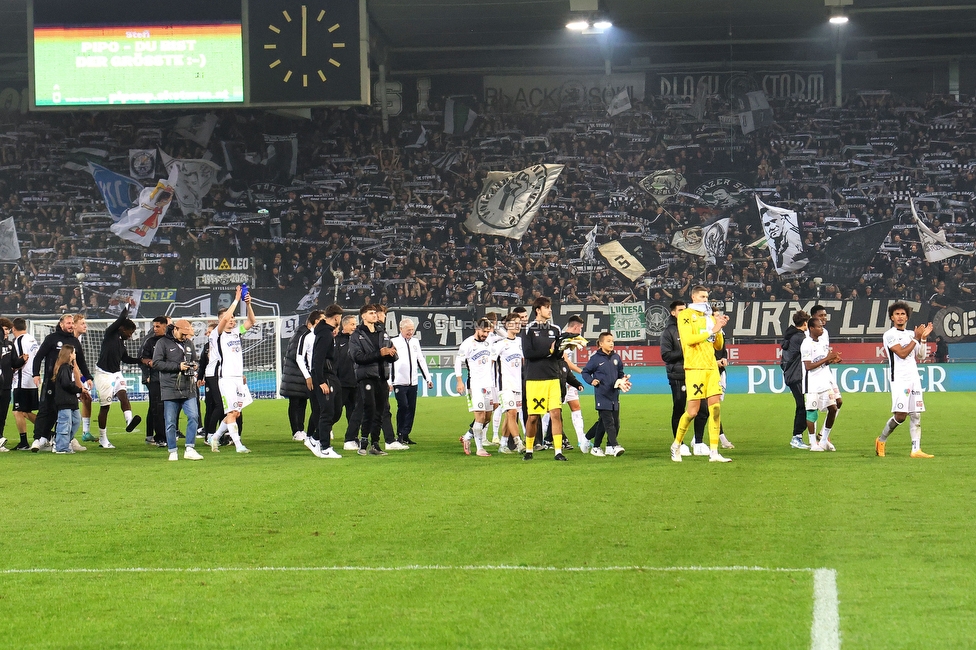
(234, 392)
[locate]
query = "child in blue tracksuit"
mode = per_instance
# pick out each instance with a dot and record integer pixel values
(605, 372)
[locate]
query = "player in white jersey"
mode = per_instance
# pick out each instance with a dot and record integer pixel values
(820, 312)
(475, 355)
(818, 384)
(230, 373)
(25, 392)
(509, 359)
(903, 347)
(498, 333)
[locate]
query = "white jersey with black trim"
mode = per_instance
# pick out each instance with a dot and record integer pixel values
(819, 379)
(231, 353)
(25, 344)
(476, 356)
(509, 358)
(213, 355)
(902, 369)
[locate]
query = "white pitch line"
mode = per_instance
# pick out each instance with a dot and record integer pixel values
(825, 630)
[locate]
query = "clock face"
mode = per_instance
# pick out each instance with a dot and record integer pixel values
(305, 53)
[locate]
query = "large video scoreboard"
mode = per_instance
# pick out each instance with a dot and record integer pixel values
(119, 53)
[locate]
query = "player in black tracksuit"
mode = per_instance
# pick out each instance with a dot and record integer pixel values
(346, 371)
(325, 382)
(155, 423)
(47, 354)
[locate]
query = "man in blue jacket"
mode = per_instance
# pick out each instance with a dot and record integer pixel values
(605, 372)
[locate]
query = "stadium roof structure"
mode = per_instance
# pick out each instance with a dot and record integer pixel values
(431, 37)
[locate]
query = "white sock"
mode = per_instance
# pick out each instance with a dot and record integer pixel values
(222, 429)
(103, 435)
(496, 423)
(577, 418)
(890, 426)
(86, 425)
(545, 426)
(232, 430)
(128, 416)
(915, 429)
(478, 430)
(825, 433)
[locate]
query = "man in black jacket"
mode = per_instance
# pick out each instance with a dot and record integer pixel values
(370, 349)
(175, 360)
(9, 361)
(325, 383)
(109, 380)
(674, 365)
(47, 355)
(346, 371)
(296, 379)
(155, 422)
(793, 370)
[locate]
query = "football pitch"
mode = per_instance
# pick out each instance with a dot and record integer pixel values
(428, 548)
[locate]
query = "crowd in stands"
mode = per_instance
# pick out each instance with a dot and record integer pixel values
(385, 209)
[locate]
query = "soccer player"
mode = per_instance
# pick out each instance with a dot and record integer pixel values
(605, 372)
(109, 380)
(346, 371)
(674, 361)
(904, 347)
(701, 334)
(574, 327)
(820, 312)
(509, 359)
(25, 392)
(371, 350)
(10, 363)
(85, 398)
(230, 378)
(543, 393)
(818, 384)
(792, 367)
(475, 355)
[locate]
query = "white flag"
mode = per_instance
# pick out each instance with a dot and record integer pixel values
(9, 244)
(196, 178)
(934, 244)
(588, 252)
(707, 241)
(140, 222)
(619, 104)
(197, 128)
(510, 200)
(783, 239)
(142, 163)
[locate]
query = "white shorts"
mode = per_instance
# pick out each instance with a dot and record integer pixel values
(510, 400)
(906, 396)
(723, 382)
(834, 388)
(481, 398)
(107, 384)
(572, 394)
(820, 401)
(234, 393)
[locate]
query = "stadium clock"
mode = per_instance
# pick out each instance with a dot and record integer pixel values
(305, 53)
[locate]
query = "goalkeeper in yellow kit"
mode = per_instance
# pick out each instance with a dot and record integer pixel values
(701, 334)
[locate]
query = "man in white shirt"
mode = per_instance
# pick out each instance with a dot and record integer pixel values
(234, 392)
(25, 392)
(475, 355)
(409, 359)
(903, 347)
(818, 384)
(508, 359)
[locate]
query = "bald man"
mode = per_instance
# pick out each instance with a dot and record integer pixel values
(175, 359)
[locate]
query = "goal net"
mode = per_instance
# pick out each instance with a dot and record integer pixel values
(262, 350)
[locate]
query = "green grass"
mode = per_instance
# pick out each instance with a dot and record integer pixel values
(899, 532)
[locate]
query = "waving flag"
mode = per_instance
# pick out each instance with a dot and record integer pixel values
(140, 222)
(934, 244)
(708, 241)
(783, 237)
(458, 117)
(619, 104)
(9, 244)
(196, 178)
(663, 184)
(510, 200)
(118, 191)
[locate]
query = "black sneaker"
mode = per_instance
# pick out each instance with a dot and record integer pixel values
(376, 451)
(567, 446)
(407, 441)
(527, 455)
(22, 446)
(559, 456)
(150, 440)
(131, 426)
(160, 443)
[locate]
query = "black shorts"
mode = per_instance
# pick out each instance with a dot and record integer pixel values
(25, 400)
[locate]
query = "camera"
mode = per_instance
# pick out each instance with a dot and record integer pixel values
(191, 369)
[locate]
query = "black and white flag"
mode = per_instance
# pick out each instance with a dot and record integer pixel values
(510, 200)
(195, 179)
(197, 128)
(757, 114)
(934, 244)
(708, 241)
(783, 238)
(142, 163)
(9, 244)
(663, 184)
(627, 257)
(619, 104)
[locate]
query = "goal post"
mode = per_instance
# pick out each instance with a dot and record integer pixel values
(262, 350)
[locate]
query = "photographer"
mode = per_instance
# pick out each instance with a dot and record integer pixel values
(175, 359)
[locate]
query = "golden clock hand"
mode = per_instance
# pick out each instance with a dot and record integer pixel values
(304, 29)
